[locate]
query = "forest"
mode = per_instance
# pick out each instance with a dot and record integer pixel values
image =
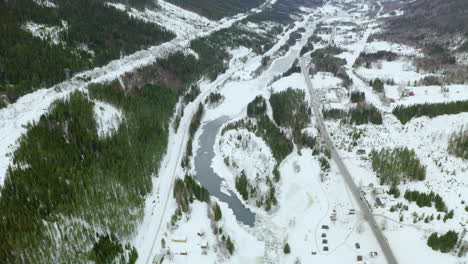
(426, 199)
(458, 144)
(263, 127)
(367, 59)
(70, 174)
(333, 113)
(187, 190)
(325, 61)
(397, 164)
(445, 243)
(290, 109)
(29, 62)
(364, 113)
(406, 113)
(377, 85)
(357, 97)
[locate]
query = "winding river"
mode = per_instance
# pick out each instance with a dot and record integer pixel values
(212, 181)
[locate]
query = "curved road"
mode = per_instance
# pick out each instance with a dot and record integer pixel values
(367, 214)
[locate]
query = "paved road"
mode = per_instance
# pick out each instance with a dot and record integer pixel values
(367, 214)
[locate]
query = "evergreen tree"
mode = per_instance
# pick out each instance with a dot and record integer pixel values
(286, 249)
(217, 212)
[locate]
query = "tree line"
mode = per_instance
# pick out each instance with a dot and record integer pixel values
(29, 62)
(394, 165)
(444, 243)
(406, 113)
(426, 199)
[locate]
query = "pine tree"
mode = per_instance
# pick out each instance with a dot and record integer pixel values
(217, 212)
(286, 249)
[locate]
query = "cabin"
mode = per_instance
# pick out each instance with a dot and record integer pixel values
(158, 259)
(379, 202)
(204, 245)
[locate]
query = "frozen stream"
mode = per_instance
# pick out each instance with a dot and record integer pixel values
(210, 180)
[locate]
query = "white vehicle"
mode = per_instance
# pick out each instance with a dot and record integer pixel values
(373, 254)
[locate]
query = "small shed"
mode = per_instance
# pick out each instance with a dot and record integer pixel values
(204, 244)
(158, 259)
(379, 202)
(361, 152)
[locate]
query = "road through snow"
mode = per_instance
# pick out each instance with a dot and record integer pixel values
(368, 216)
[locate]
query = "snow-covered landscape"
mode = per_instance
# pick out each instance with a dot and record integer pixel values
(315, 216)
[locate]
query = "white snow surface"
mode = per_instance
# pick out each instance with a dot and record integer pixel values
(397, 48)
(241, 147)
(46, 32)
(401, 71)
(108, 118)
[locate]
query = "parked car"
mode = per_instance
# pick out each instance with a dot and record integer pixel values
(357, 245)
(373, 254)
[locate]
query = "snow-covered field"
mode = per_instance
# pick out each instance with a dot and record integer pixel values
(446, 175)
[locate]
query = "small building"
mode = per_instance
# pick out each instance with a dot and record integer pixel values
(158, 259)
(359, 258)
(392, 100)
(204, 245)
(379, 202)
(361, 152)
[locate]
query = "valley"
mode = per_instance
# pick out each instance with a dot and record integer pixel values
(283, 132)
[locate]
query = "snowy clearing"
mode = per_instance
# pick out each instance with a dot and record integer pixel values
(108, 118)
(44, 32)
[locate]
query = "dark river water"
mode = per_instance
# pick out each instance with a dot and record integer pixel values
(210, 180)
